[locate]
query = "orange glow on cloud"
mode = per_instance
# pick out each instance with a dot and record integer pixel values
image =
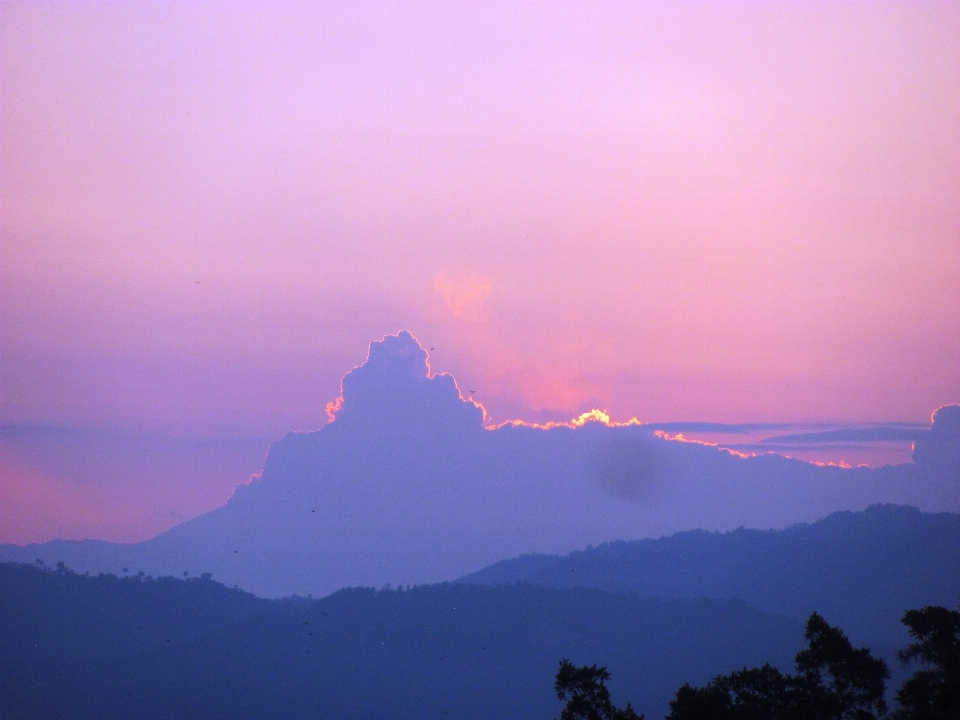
(840, 464)
(591, 416)
(594, 415)
(549, 374)
(678, 437)
(333, 407)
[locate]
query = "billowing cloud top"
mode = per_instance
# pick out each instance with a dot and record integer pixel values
(939, 450)
(395, 388)
(946, 421)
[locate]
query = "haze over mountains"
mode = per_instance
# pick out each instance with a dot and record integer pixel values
(407, 485)
(862, 570)
(657, 613)
(103, 647)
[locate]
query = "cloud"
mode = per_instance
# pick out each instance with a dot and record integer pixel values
(463, 295)
(881, 433)
(716, 428)
(840, 443)
(633, 468)
(407, 484)
(939, 450)
(395, 388)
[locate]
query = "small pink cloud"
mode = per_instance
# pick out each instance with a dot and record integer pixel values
(464, 295)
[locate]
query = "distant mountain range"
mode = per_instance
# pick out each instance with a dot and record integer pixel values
(861, 570)
(657, 613)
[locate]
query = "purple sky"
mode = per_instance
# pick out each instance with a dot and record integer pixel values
(724, 212)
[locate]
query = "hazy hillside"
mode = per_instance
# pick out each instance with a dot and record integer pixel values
(49, 615)
(861, 570)
(120, 648)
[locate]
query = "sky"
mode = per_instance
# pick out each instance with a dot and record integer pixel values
(724, 212)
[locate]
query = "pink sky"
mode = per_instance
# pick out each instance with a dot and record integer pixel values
(727, 212)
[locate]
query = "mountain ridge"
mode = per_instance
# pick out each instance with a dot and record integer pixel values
(864, 569)
(420, 653)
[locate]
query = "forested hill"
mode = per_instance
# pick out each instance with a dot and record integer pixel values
(861, 570)
(47, 615)
(73, 646)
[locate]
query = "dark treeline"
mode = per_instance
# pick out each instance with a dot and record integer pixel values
(78, 646)
(47, 615)
(833, 681)
(75, 646)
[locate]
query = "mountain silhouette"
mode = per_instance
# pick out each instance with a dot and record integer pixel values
(101, 648)
(861, 569)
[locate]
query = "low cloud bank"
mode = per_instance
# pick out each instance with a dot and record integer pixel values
(407, 484)
(881, 433)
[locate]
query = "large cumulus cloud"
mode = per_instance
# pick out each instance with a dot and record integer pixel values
(407, 485)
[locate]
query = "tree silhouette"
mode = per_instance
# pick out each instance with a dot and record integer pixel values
(584, 688)
(933, 692)
(762, 693)
(839, 681)
(834, 681)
